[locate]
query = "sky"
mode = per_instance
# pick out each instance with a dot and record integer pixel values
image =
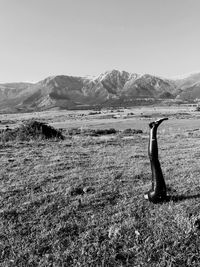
(40, 38)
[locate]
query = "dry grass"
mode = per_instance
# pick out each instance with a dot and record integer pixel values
(79, 202)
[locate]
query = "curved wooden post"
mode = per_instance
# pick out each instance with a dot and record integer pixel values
(158, 192)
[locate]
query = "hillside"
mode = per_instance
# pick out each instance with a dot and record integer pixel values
(12, 94)
(188, 88)
(110, 88)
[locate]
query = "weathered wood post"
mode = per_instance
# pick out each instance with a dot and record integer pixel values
(158, 192)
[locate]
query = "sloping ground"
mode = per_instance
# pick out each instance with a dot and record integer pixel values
(188, 81)
(79, 202)
(190, 93)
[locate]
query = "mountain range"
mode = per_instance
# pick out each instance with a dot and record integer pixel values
(112, 88)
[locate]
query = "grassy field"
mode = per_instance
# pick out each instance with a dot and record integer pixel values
(79, 201)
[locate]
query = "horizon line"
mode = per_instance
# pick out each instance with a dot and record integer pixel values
(178, 76)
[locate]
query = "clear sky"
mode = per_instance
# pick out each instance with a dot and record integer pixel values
(39, 38)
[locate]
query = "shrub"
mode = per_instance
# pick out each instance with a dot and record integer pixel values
(94, 112)
(74, 131)
(104, 131)
(31, 129)
(132, 131)
(91, 132)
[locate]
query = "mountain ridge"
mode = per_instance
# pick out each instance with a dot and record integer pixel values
(114, 87)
